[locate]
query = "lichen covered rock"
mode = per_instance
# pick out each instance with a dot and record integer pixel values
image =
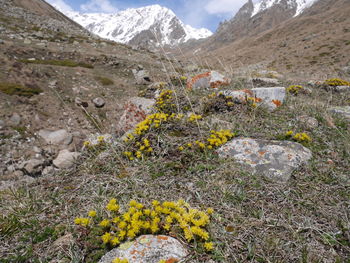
(273, 159)
(148, 249)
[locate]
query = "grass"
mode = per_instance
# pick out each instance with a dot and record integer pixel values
(255, 220)
(104, 80)
(18, 89)
(63, 63)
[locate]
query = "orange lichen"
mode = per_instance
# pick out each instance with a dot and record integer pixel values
(278, 103)
(193, 80)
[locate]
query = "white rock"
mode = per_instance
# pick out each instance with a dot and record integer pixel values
(66, 159)
(148, 249)
(272, 97)
(57, 137)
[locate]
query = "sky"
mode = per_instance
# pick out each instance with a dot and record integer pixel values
(197, 13)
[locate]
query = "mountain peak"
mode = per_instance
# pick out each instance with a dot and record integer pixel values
(145, 26)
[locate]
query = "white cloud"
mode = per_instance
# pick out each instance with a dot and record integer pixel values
(218, 7)
(104, 6)
(60, 5)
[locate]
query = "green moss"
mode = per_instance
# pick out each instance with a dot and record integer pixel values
(63, 63)
(104, 81)
(18, 89)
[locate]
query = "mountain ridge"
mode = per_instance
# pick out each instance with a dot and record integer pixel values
(138, 26)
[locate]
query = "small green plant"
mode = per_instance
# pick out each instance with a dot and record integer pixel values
(294, 89)
(63, 63)
(18, 89)
(104, 80)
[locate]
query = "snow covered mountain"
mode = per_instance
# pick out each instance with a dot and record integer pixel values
(297, 5)
(254, 18)
(145, 26)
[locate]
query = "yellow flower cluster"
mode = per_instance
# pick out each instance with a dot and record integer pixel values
(218, 138)
(143, 147)
(156, 218)
(302, 137)
(164, 100)
(252, 102)
(194, 117)
(82, 221)
(337, 82)
(299, 137)
(120, 260)
(294, 89)
(153, 120)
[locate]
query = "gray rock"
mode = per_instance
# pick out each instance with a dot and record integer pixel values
(148, 249)
(98, 102)
(2, 42)
(49, 170)
(342, 88)
(15, 119)
(142, 77)
(66, 159)
(273, 159)
(34, 166)
(272, 97)
(345, 111)
(269, 82)
(59, 137)
(347, 70)
(27, 41)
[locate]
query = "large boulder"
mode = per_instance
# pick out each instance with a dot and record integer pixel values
(274, 159)
(211, 79)
(148, 249)
(66, 159)
(58, 137)
(135, 111)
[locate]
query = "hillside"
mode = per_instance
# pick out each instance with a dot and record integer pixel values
(315, 41)
(114, 154)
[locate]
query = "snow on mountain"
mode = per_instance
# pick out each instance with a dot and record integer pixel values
(298, 5)
(139, 25)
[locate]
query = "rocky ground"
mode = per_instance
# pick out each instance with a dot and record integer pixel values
(270, 158)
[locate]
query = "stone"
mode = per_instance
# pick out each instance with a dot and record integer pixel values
(49, 170)
(135, 111)
(66, 159)
(211, 79)
(142, 77)
(63, 241)
(342, 88)
(58, 137)
(276, 160)
(346, 70)
(148, 249)
(272, 97)
(345, 111)
(34, 166)
(98, 102)
(15, 119)
(269, 82)
(2, 42)
(27, 41)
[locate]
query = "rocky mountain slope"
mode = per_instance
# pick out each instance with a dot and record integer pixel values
(252, 18)
(146, 26)
(316, 40)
